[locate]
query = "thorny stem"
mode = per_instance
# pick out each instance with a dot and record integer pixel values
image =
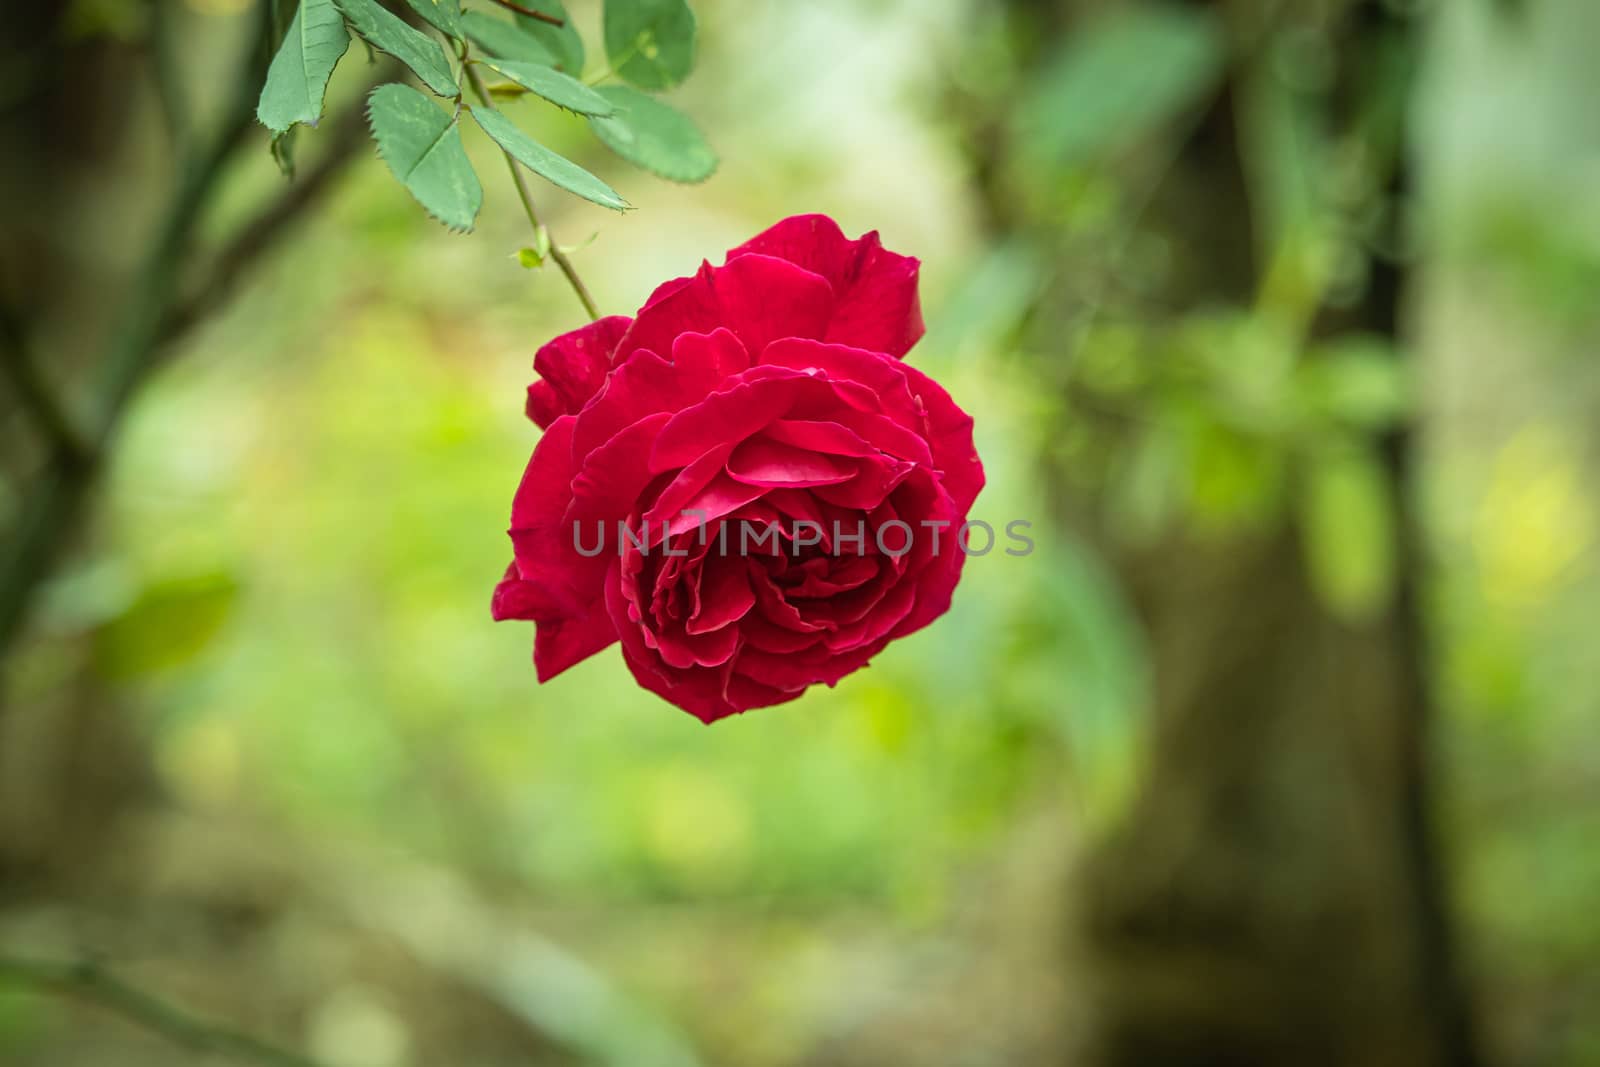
(88, 982)
(561, 258)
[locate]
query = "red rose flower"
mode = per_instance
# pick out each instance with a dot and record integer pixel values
(743, 484)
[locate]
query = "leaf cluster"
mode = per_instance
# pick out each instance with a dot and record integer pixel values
(649, 45)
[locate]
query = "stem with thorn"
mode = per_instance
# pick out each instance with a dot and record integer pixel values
(481, 91)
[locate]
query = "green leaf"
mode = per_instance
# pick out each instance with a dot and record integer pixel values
(298, 76)
(387, 33)
(442, 15)
(563, 41)
(1358, 380)
(1347, 531)
(502, 39)
(545, 163)
(554, 86)
(650, 42)
(422, 146)
(1118, 79)
(171, 622)
(282, 148)
(653, 135)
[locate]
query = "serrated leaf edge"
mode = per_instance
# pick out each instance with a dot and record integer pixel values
(377, 143)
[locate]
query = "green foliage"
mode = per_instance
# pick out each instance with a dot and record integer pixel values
(1347, 530)
(1357, 381)
(298, 76)
(650, 42)
(1121, 77)
(387, 33)
(563, 41)
(654, 135)
(545, 163)
(170, 623)
(442, 15)
(553, 86)
(422, 146)
(501, 38)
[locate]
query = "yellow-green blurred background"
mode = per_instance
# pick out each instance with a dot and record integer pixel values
(263, 754)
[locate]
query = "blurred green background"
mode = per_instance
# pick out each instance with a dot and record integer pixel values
(1277, 321)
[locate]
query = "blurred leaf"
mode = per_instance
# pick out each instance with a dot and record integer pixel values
(562, 41)
(1096, 646)
(422, 146)
(1347, 530)
(282, 148)
(1147, 484)
(653, 135)
(1284, 152)
(298, 76)
(991, 302)
(1360, 381)
(545, 163)
(650, 42)
(500, 38)
(387, 33)
(168, 624)
(1235, 477)
(553, 86)
(1118, 79)
(442, 15)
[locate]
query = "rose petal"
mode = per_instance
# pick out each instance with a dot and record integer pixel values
(875, 291)
(759, 299)
(573, 366)
(515, 598)
(560, 644)
(643, 385)
(725, 596)
(818, 436)
(771, 464)
(950, 433)
(706, 693)
(710, 358)
(744, 405)
(611, 477)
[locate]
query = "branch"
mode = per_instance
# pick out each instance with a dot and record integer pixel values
(270, 226)
(510, 5)
(86, 981)
(34, 393)
(53, 504)
(562, 261)
(166, 69)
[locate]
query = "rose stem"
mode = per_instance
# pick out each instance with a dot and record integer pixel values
(482, 93)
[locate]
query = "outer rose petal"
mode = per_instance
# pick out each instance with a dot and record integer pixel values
(759, 298)
(950, 433)
(875, 290)
(559, 645)
(571, 368)
(549, 581)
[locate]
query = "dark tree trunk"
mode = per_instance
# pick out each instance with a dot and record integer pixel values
(1275, 894)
